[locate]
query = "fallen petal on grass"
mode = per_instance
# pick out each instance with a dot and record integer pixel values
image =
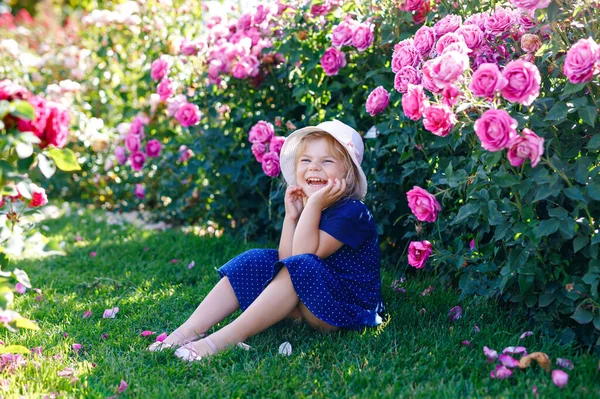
(20, 288)
(76, 347)
(466, 343)
(509, 361)
(174, 260)
(476, 329)
(565, 364)
(454, 314)
(110, 313)
(526, 334)
(148, 333)
(93, 254)
(490, 354)
(285, 349)
(161, 337)
(560, 378)
(515, 350)
(191, 264)
(37, 350)
(122, 386)
(104, 336)
(66, 372)
(501, 372)
(87, 314)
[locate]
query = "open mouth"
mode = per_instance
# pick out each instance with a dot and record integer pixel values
(316, 182)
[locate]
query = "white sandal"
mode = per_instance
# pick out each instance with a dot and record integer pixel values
(188, 353)
(159, 346)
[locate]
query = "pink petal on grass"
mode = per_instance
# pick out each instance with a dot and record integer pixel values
(534, 391)
(65, 334)
(191, 264)
(490, 354)
(565, 364)
(122, 386)
(161, 337)
(174, 260)
(526, 334)
(509, 361)
(104, 336)
(466, 343)
(20, 288)
(93, 254)
(87, 314)
(147, 333)
(560, 378)
(110, 313)
(76, 347)
(476, 329)
(37, 350)
(515, 350)
(78, 237)
(501, 372)
(454, 314)
(66, 372)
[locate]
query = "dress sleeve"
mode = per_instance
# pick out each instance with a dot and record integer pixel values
(351, 223)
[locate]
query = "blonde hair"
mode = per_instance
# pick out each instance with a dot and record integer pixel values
(340, 153)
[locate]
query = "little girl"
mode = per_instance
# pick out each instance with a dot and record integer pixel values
(326, 270)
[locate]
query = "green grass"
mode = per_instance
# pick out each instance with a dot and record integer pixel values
(412, 355)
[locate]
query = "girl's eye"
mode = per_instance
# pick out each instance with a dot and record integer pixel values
(305, 160)
(328, 161)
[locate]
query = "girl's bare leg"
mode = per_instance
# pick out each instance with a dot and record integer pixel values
(218, 304)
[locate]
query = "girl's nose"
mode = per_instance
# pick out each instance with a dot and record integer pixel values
(314, 166)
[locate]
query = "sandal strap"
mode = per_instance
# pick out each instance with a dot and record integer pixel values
(211, 344)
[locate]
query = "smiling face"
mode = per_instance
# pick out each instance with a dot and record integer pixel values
(316, 163)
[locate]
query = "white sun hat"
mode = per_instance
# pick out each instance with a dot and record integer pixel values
(344, 134)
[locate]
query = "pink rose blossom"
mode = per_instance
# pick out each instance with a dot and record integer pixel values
(404, 77)
(523, 84)
(496, 129)
(160, 68)
(57, 126)
(38, 124)
(140, 191)
(582, 61)
(448, 68)
(377, 101)
(438, 119)
(560, 378)
(261, 132)
(423, 205)
(418, 253)
(413, 5)
(487, 80)
(276, 143)
(427, 77)
(246, 67)
(405, 56)
(132, 142)
(138, 159)
(342, 33)
(424, 40)
(472, 35)
(184, 153)
(137, 127)
(11, 91)
(500, 22)
(449, 23)
(413, 102)
(527, 146)
(188, 114)
(332, 60)
(478, 19)
(450, 95)
(531, 43)
(320, 9)
(120, 155)
(259, 150)
(363, 37)
(530, 4)
(165, 89)
(38, 196)
(446, 40)
(174, 103)
(270, 164)
(153, 148)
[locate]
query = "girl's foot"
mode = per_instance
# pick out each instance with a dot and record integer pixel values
(205, 347)
(174, 340)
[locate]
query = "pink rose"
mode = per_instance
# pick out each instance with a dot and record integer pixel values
(530, 43)
(188, 114)
(449, 23)
(159, 68)
(342, 33)
(405, 56)
(413, 102)
(427, 77)
(530, 4)
(120, 155)
(259, 150)
(11, 91)
(523, 82)
(189, 47)
(138, 159)
(438, 119)
(487, 80)
(496, 129)
(424, 40)
(57, 126)
(423, 205)
(500, 21)
(153, 148)
(377, 101)
(137, 127)
(413, 5)
(581, 62)
(276, 143)
(184, 153)
(165, 89)
(132, 142)
(38, 196)
(446, 40)
(38, 124)
(363, 37)
(478, 19)
(404, 77)
(528, 146)
(402, 43)
(472, 35)
(246, 67)
(418, 253)
(450, 95)
(139, 191)
(244, 22)
(174, 103)
(448, 67)
(332, 61)
(270, 164)
(261, 132)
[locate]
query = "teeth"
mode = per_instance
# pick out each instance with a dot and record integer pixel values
(312, 181)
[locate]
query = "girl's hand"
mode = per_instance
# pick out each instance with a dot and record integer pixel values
(329, 194)
(294, 203)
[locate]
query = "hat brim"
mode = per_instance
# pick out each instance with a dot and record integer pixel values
(287, 157)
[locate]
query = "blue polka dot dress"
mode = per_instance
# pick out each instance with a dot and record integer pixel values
(343, 290)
